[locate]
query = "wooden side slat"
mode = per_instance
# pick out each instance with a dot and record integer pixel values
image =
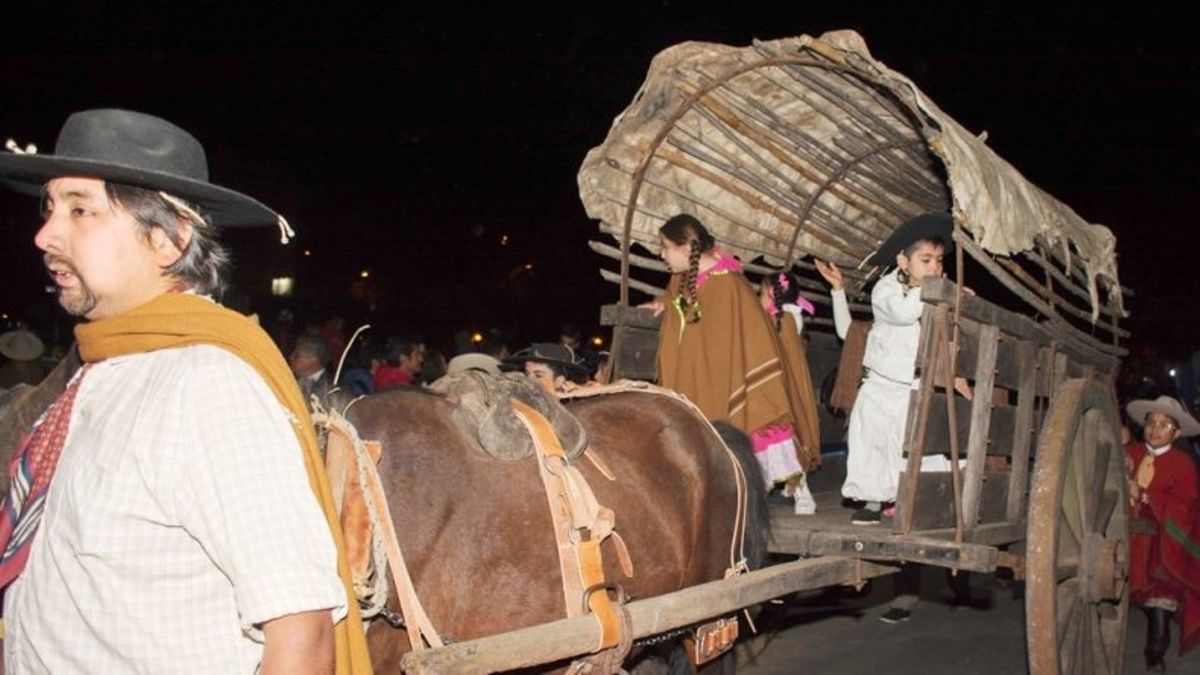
(934, 505)
(981, 417)
(1022, 437)
(1006, 368)
(997, 441)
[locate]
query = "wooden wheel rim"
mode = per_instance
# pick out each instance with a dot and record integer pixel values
(1076, 598)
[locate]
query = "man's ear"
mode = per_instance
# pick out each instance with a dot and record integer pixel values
(902, 261)
(166, 251)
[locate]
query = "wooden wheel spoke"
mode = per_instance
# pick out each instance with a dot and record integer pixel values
(1102, 468)
(1067, 605)
(1102, 639)
(1105, 511)
(1069, 635)
(1066, 569)
(1082, 463)
(1069, 508)
(1087, 637)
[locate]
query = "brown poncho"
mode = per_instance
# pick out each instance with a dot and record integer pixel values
(728, 362)
(806, 424)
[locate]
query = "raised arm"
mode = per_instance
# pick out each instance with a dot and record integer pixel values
(837, 292)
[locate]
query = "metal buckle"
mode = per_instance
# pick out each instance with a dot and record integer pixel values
(606, 587)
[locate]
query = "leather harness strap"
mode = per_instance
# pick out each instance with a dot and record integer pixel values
(416, 621)
(737, 544)
(353, 462)
(580, 525)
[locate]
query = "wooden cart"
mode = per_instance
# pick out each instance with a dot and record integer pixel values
(808, 147)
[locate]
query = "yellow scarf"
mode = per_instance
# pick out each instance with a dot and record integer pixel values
(179, 320)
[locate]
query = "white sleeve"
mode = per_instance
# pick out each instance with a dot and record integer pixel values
(251, 505)
(891, 304)
(841, 312)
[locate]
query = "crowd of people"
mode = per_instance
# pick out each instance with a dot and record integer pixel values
(323, 357)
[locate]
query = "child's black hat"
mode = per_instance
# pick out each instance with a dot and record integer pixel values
(924, 226)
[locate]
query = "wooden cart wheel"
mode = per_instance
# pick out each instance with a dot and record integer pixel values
(1076, 600)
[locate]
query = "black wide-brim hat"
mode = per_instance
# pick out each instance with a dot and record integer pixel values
(551, 354)
(135, 149)
(924, 226)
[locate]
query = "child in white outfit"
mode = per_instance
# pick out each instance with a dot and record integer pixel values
(878, 419)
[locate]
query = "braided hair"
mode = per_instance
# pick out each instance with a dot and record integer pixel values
(686, 229)
(785, 289)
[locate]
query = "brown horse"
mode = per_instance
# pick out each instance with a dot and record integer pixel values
(476, 531)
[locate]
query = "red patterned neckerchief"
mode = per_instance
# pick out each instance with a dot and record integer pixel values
(29, 479)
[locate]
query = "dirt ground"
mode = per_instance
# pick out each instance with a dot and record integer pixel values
(839, 631)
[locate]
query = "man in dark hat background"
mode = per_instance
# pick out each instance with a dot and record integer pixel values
(1164, 544)
(189, 528)
(556, 367)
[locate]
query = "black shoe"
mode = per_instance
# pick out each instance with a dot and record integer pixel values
(895, 615)
(866, 517)
(1158, 638)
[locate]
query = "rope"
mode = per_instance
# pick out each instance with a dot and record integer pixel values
(373, 593)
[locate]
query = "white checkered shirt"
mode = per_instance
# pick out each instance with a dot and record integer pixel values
(179, 520)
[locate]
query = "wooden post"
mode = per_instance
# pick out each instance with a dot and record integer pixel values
(918, 416)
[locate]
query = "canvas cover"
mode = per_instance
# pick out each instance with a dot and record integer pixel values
(809, 146)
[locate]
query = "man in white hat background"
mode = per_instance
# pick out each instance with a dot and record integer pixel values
(22, 348)
(168, 512)
(1164, 495)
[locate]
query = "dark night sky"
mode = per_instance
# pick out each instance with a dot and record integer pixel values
(408, 141)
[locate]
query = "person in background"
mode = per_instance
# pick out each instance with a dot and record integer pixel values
(474, 362)
(1164, 544)
(401, 363)
(570, 336)
(554, 366)
(433, 366)
(309, 361)
(23, 349)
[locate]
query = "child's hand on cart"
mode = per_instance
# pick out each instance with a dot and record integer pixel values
(963, 387)
(655, 305)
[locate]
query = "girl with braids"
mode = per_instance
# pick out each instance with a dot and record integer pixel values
(718, 348)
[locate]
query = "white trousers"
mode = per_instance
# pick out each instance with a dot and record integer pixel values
(875, 440)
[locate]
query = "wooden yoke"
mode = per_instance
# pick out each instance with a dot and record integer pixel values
(580, 525)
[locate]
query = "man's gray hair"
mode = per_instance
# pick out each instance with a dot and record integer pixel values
(313, 345)
(204, 261)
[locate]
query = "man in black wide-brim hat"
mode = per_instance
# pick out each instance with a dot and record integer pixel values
(182, 532)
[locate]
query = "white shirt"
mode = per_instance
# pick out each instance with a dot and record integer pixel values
(179, 520)
(892, 342)
(841, 312)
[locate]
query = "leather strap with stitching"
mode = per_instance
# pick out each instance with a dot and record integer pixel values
(580, 525)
